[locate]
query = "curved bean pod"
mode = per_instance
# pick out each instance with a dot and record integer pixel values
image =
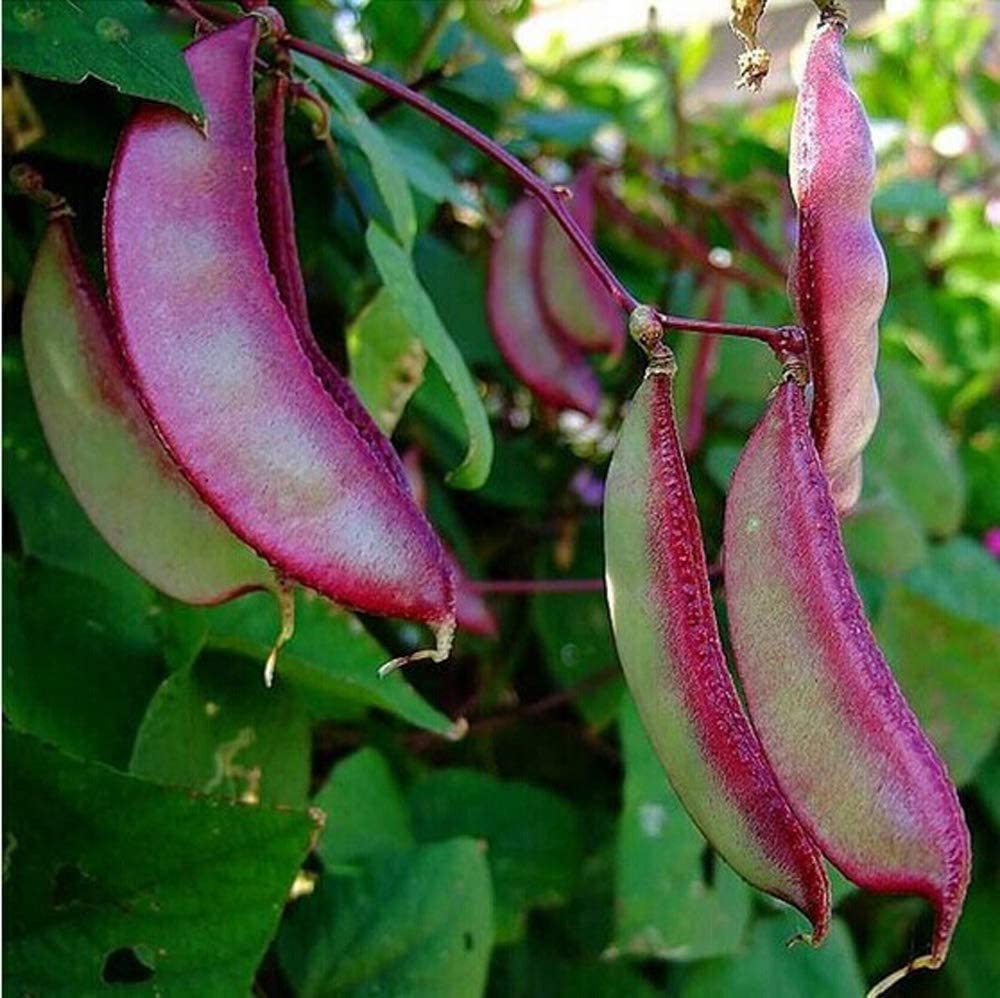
(471, 612)
(845, 746)
(102, 442)
(668, 642)
(838, 278)
(575, 303)
(221, 370)
(554, 369)
(277, 226)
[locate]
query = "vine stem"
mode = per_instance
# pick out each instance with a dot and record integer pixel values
(553, 199)
(785, 341)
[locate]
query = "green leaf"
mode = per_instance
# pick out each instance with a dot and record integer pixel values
(426, 172)
(418, 922)
(125, 44)
(387, 360)
(533, 837)
(988, 784)
(913, 454)
(389, 176)
(720, 460)
(331, 660)
(745, 370)
(576, 631)
(105, 873)
(531, 969)
(526, 474)
(949, 669)
(881, 535)
(666, 907)
(457, 284)
(572, 126)
(80, 661)
(412, 300)
(218, 730)
(910, 197)
(770, 967)
(365, 810)
(51, 524)
(963, 577)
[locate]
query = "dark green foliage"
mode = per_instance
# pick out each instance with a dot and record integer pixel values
(157, 795)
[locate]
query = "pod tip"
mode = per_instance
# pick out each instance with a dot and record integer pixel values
(927, 962)
(285, 596)
(444, 635)
(458, 730)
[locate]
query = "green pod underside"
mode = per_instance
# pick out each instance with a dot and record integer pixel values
(668, 644)
(107, 450)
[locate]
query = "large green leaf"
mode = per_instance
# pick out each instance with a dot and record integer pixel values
(881, 535)
(111, 880)
(419, 922)
(425, 171)
(668, 905)
(770, 967)
(365, 810)
(963, 577)
(80, 661)
(949, 668)
(387, 360)
(218, 730)
(457, 284)
(913, 454)
(533, 837)
(126, 44)
(389, 176)
(331, 660)
(576, 631)
(988, 784)
(51, 525)
(412, 301)
(531, 969)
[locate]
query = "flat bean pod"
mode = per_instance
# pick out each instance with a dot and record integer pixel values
(277, 226)
(575, 303)
(106, 449)
(221, 370)
(554, 369)
(668, 642)
(838, 278)
(846, 748)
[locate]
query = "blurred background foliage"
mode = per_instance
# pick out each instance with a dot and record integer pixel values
(543, 852)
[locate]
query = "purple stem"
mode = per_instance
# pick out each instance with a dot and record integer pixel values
(694, 424)
(785, 341)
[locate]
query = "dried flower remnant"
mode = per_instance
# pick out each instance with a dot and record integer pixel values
(755, 62)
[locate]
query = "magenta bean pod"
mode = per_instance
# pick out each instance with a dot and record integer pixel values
(575, 303)
(668, 643)
(846, 748)
(838, 278)
(554, 369)
(277, 224)
(221, 369)
(103, 443)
